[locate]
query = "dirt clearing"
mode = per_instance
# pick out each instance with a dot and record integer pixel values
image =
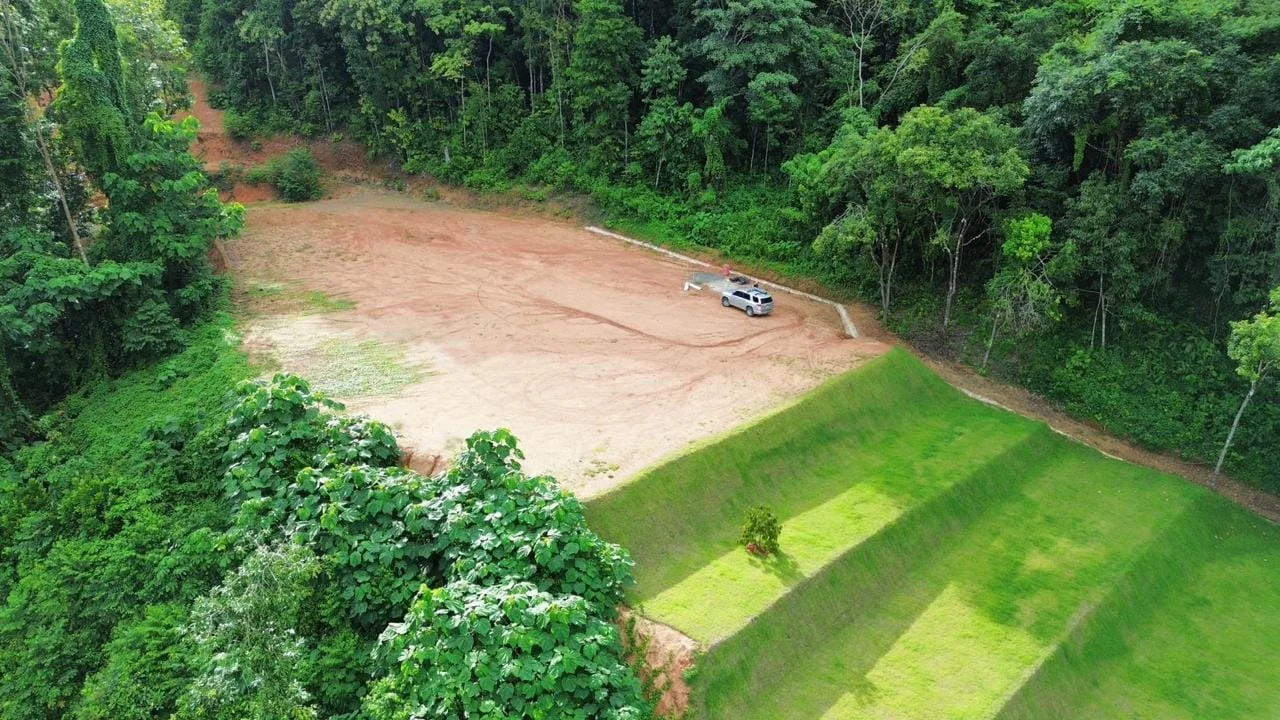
(441, 321)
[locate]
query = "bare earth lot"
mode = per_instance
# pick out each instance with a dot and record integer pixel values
(586, 348)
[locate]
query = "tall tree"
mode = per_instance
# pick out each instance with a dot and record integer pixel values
(1026, 292)
(27, 70)
(600, 77)
(754, 49)
(665, 133)
(956, 166)
(1255, 346)
(163, 211)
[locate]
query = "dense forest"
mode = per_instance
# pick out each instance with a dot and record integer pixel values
(177, 541)
(1079, 196)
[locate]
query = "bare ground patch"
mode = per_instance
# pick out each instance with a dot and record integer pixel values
(664, 655)
(587, 348)
(336, 360)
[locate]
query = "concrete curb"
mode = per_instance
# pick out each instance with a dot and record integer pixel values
(849, 328)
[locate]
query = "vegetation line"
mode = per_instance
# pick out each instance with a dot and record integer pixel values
(988, 401)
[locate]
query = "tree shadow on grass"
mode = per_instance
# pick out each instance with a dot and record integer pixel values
(781, 565)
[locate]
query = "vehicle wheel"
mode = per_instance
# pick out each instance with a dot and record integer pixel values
(751, 312)
(724, 301)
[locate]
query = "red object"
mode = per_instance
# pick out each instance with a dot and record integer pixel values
(727, 271)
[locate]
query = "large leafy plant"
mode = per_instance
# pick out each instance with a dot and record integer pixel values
(354, 516)
(505, 651)
(278, 428)
(492, 522)
(247, 646)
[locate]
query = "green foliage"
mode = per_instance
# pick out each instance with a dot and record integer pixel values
(164, 211)
(507, 650)
(61, 319)
(760, 531)
(146, 671)
(492, 522)
(276, 429)
(92, 104)
(246, 642)
(241, 125)
(109, 530)
(601, 78)
(355, 515)
(18, 169)
(1255, 343)
(295, 175)
(380, 532)
(155, 76)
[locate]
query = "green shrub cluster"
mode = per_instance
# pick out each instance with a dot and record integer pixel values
(760, 531)
(507, 650)
(110, 528)
(296, 175)
(484, 530)
(243, 558)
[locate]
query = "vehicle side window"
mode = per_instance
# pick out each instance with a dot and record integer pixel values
(739, 294)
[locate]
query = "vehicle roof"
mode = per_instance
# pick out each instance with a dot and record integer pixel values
(753, 291)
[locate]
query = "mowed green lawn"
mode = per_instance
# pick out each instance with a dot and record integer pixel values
(943, 559)
(831, 467)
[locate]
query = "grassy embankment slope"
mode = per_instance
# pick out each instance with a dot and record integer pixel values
(942, 558)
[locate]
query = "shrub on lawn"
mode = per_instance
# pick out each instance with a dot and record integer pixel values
(761, 530)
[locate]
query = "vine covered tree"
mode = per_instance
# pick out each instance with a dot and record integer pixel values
(92, 106)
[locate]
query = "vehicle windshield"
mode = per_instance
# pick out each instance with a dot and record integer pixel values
(763, 299)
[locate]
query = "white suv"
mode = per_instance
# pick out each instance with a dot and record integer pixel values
(752, 301)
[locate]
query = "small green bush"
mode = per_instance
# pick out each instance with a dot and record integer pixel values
(219, 99)
(240, 125)
(296, 175)
(761, 530)
(486, 179)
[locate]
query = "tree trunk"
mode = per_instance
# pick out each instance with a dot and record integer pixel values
(488, 99)
(324, 95)
(488, 90)
(888, 263)
(995, 323)
(861, 82)
(47, 157)
(1104, 322)
(266, 57)
(952, 279)
(1222, 456)
(1097, 311)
